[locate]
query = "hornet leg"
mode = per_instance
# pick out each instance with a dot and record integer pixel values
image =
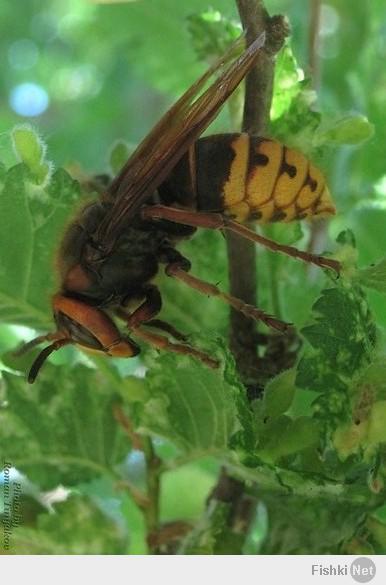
(167, 328)
(219, 221)
(144, 314)
(150, 307)
(212, 290)
(178, 267)
(161, 342)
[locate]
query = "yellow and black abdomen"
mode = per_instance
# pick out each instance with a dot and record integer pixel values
(253, 178)
(248, 178)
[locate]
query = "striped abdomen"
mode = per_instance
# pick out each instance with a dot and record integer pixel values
(250, 178)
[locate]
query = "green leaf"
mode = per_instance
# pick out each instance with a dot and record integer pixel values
(311, 527)
(344, 331)
(343, 334)
(366, 429)
(199, 409)
(284, 233)
(31, 150)
(212, 535)
(279, 393)
(179, 481)
(287, 82)
(342, 341)
(294, 118)
(377, 529)
(119, 507)
(78, 527)
(284, 436)
(63, 429)
(377, 423)
(119, 155)
(211, 33)
(372, 381)
(27, 277)
(8, 155)
(363, 436)
(349, 129)
(374, 276)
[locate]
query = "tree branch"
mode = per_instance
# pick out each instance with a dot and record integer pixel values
(242, 254)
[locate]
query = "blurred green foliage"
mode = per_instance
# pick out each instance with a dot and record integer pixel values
(315, 443)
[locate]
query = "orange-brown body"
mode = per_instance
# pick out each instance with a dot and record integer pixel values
(242, 176)
(245, 177)
(173, 183)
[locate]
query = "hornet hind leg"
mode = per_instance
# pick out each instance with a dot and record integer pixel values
(219, 221)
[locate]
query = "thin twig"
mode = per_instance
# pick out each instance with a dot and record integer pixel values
(148, 502)
(259, 81)
(241, 253)
(139, 497)
(125, 423)
(153, 481)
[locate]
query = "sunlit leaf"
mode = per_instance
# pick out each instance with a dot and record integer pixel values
(39, 214)
(64, 430)
(374, 276)
(31, 150)
(77, 527)
(211, 33)
(349, 129)
(197, 408)
(279, 393)
(342, 341)
(287, 83)
(284, 436)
